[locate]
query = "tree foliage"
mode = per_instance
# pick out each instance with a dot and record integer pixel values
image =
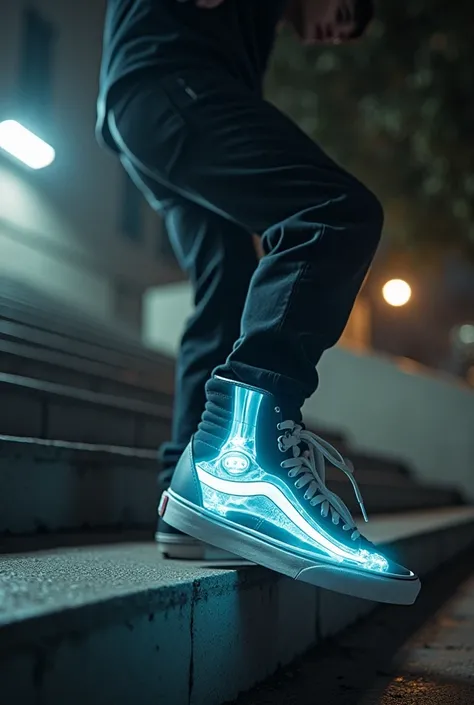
(397, 109)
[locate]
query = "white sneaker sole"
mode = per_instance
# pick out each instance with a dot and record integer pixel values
(378, 587)
(191, 549)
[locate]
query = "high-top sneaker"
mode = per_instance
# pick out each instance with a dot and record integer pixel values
(252, 482)
(175, 544)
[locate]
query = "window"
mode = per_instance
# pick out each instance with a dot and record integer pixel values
(36, 68)
(131, 210)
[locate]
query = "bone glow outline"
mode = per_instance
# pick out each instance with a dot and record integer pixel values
(241, 443)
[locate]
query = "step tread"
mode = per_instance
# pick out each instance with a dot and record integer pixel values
(34, 309)
(10, 382)
(51, 340)
(130, 379)
(65, 580)
(44, 448)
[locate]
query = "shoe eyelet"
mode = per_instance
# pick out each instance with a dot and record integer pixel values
(277, 409)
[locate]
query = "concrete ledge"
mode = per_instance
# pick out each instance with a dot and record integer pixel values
(120, 622)
(50, 486)
(26, 310)
(69, 368)
(408, 412)
(40, 409)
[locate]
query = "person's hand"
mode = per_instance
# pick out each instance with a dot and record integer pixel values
(321, 21)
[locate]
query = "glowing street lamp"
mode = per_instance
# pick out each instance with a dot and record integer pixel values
(24, 145)
(396, 292)
(466, 334)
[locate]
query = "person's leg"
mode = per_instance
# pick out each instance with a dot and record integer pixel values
(224, 148)
(207, 248)
(219, 258)
(227, 150)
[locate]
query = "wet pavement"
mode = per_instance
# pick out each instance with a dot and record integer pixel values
(421, 655)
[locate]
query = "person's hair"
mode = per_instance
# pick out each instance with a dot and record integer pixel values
(364, 13)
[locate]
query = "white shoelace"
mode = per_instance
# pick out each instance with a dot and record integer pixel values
(312, 464)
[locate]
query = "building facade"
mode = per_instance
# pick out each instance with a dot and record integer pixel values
(78, 229)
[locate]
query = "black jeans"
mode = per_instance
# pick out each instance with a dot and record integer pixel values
(220, 163)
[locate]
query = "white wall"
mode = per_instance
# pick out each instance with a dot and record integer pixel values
(41, 247)
(165, 310)
(390, 406)
(399, 409)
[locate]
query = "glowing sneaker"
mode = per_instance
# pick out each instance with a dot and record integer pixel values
(252, 482)
(175, 544)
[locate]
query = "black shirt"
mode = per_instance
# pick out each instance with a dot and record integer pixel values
(173, 35)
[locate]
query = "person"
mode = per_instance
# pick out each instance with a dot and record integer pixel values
(181, 103)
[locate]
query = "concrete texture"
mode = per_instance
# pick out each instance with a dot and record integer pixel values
(52, 486)
(425, 657)
(118, 621)
(67, 367)
(48, 486)
(386, 528)
(35, 408)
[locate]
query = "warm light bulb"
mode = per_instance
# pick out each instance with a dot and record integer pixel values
(396, 292)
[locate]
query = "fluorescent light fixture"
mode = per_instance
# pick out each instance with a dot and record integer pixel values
(25, 146)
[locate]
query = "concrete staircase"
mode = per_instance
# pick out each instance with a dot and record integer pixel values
(88, 611)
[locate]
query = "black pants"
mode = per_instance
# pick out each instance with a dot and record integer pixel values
(220, 163)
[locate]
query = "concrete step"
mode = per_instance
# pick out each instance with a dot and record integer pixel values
(35, 309)
(426, 658)
(67, 368)
(39, 409)
(87, 349)
(35, 408)
(50, 486)
(116, 625)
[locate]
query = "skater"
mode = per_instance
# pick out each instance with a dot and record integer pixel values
(181, 104)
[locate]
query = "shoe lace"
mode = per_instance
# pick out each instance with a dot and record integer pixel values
(310, 465)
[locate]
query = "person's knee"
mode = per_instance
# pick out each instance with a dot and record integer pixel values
(367, 213)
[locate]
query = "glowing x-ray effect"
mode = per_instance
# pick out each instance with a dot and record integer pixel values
(235, 482)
